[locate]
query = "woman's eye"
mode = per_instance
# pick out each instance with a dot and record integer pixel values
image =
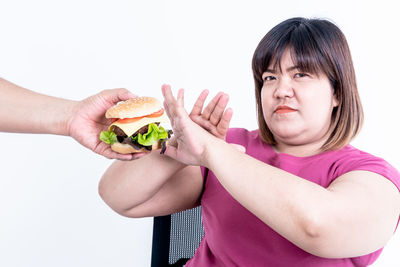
(269, 78)
(300, 75)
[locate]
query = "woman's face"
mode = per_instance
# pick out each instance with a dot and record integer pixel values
(297, 106)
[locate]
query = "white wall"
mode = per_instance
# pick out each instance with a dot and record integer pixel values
(51, 214)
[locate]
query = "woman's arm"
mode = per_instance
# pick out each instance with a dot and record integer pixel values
(153, 185)
(157, 185)
(356, 215)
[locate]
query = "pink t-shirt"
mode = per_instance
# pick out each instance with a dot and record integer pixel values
(235, 237)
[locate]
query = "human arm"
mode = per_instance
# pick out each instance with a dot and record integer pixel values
(354, 216)
(156, 185)
(25, 111)
(152, 185)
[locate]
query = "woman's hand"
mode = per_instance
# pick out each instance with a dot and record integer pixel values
(88, 120)
(190, 142)
(215, 118)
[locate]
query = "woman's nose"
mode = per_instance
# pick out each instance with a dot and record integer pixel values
(284, 89)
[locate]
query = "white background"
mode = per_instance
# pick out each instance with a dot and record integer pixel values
(50, 212)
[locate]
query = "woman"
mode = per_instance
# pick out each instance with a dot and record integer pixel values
(300, 195)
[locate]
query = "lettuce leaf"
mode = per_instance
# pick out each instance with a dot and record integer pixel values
(108, 137)
(153, 134)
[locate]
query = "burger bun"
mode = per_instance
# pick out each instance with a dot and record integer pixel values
(128, 149)
(134, 107)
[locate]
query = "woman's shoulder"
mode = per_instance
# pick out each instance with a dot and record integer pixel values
(356, 157)
(350, 158)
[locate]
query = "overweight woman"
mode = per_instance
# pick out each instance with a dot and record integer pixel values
(293, 192)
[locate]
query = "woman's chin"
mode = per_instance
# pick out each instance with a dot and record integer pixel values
(287, 134)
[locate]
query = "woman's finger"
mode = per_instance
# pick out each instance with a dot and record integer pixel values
(167, 111)
(219, 109)
(169, 101)
(211, 106)
(198, 105)
(167, 93)
(180, 109)
(223, 124)
(180, 98)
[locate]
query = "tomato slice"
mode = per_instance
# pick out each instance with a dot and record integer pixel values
(153, 115)
(156, 114)
(129, 120)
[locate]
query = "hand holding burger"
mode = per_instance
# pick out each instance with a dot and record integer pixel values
(135, 126)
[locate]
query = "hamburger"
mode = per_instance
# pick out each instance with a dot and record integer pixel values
(135, 126)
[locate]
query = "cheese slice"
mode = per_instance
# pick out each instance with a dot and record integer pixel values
(131, 128)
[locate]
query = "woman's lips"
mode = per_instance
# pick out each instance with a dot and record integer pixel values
(284, 109)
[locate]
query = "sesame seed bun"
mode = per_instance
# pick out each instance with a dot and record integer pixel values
(134, 107)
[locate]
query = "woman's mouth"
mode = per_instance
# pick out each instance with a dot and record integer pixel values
(284, 109)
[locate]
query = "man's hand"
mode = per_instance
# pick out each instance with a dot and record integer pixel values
(88, 120)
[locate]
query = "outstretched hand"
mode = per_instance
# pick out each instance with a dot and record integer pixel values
(196, 133)
(190, 141)
(215, 118)
(88, 120)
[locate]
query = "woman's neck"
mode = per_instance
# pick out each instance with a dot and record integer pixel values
(301, 150)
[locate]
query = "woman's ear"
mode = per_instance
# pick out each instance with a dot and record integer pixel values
(335, 101)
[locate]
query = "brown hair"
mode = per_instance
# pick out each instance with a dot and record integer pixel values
(317, 46)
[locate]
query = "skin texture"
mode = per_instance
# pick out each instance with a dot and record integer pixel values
(82, 120)
(302, 130)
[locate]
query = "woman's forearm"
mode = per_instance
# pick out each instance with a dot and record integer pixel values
(25, 111)
(285, 202)
(126, 185)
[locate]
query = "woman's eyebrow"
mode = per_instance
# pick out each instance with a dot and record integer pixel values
(292, 68)
(269, 70)
(287, 70)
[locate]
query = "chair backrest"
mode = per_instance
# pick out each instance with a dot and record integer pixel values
(176, 237)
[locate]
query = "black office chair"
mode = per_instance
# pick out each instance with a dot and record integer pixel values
(176, 237)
